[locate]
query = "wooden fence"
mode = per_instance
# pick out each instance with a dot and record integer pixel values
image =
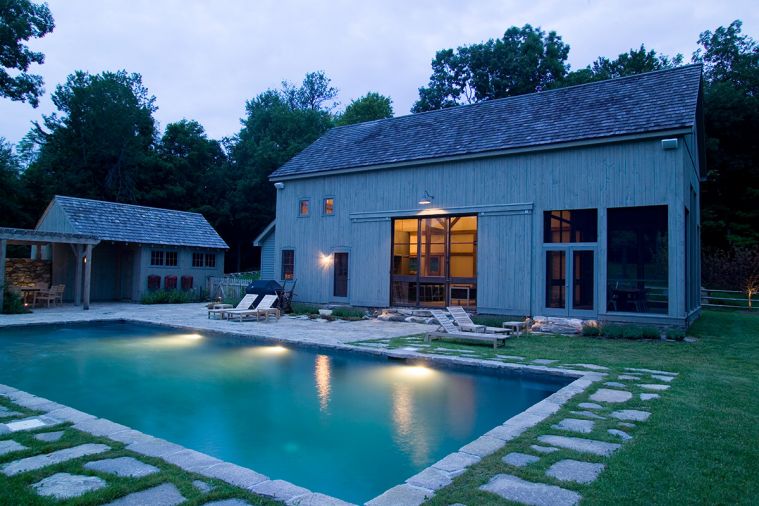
(726, 299)
(231, 286)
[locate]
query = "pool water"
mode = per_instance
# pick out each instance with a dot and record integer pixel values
(343, 424)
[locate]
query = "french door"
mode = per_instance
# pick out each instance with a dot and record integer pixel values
(570, 281)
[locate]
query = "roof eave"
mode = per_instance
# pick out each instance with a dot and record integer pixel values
(264, 233)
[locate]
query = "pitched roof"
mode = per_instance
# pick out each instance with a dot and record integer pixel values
(111, 221)
(644, 103)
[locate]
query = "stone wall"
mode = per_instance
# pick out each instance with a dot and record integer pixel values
(27, 272)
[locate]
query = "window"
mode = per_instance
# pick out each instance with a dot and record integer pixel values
(210, 260)
(171, 258)
(156, 257)
(304, 206)
(288, 264)
(638, 260)
(197, 259)
(329, 206)
(577, 225)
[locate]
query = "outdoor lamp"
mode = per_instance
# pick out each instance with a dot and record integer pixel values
(426, 199)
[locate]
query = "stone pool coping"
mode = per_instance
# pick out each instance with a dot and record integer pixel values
(414, 491)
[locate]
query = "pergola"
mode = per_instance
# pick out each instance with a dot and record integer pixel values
(81, 245)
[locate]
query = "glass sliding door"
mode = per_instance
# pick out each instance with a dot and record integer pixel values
(434, 261)
(556, 279)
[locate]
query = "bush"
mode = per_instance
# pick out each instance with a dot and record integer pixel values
(13, 303)
(166, 297)
(631, 332)
(591, 330)
(348, 313)
(651, 332)
(613, 331)
(305, 309)
(675, 334)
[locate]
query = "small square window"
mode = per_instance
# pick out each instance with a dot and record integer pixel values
(329, 206)
(197, 259)
(210, 260)
(304, 206)
(156, 257)
(171, 258)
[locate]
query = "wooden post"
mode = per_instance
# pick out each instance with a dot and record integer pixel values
(78, 274)
(3, 244)
(87, 275)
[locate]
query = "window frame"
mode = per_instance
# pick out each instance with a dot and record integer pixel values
(175, 255)
(548, 215)
(157, 254)
(283, 264)
(301, 200)
(195, 255)
(207, 257)
(324, 205)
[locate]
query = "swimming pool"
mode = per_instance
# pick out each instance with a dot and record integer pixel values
(340, 423)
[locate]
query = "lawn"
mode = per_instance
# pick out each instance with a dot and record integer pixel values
(698, 447)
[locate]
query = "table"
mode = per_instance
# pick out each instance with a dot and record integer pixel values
(515, 327)
(28, 293)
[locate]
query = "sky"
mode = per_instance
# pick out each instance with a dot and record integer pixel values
(204, 59)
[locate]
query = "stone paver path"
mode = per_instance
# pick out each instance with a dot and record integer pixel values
(10, 446)
(544, 449)
(648, 397)
(122, 466)
(615, 384)
(608, 395)
(40, 461)
(624, 436)
(575, 470)
(31, 423)
(575, 425)
(67, 486)
(228, 502)
(49, 437)
(654, 386)
(162, 495)
(588, 414)
(589, 405)
(519, 459)
(581, 445)
(522, 491)
(631, 415)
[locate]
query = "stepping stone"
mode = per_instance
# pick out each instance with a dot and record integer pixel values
(122, 466)
(510, 357)
(544, 361)
(648, 397)
(40, 461)
(628, 377)
(32, 423)
(624, 436)
(633, 415)
(615, 384)
(592, 367)
(544, 449)
(627, 424)
(49, 437)
(202, 486)
(228, 502)
(7, 413)
(575, 425)
(10, 446)
(162, 495)
(519, 459)
(651, 371)
(589, 414)
(575, 470)
(666, 379)
(522, 491)
(581, 445)
(607, 395)
(67, 486)
(654, 386)
(590, 405)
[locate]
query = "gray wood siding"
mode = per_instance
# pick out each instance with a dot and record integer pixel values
(54, 220)
(612, 175)
(267, 257)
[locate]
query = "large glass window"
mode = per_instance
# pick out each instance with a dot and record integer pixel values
(435, 261)
(171, 258)
(637, 268)
(577, 225)
(288, 264)
(156, 257)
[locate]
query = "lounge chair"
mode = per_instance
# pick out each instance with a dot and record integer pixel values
(264, 308)
(53, 295)
(448, 330)
(465, 323)
(244, 304)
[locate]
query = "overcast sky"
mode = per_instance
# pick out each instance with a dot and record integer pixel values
(204, 59)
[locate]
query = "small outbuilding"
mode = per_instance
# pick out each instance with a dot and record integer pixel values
(111, 251)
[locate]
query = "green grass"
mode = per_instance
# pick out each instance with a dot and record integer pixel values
(700, 444)
(17, 490)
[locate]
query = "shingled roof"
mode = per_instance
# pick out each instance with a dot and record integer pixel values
(644, 103)
(111, 221)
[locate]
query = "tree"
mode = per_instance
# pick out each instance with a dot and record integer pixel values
(100, 140)
(312, 94)
(21, 20)
(11, 214)
(524, 60)
(371, 106)
(731, 112)
(627, 64)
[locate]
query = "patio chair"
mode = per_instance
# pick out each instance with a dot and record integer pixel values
(58, 292)
(465, 323)
(448, 330)
(46, 295)
(244, 304)
(264, 308)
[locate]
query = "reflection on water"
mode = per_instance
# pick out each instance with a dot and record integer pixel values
(322, 374)
(410, 426)
(461, 406)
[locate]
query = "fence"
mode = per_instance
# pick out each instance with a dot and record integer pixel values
(726, 299)
(231, 286)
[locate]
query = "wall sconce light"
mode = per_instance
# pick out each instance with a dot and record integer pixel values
(426, 199)
(326, 260)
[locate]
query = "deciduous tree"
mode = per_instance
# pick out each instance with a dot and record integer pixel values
(370, 107)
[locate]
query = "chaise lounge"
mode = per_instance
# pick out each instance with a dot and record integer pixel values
(243, 305)
(465, 323)
(264, 308)
(450, 331)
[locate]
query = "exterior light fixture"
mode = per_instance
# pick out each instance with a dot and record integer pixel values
(426, 199)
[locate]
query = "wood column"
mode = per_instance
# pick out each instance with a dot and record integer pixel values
(87, 275)
(3, 245)
(78, 274)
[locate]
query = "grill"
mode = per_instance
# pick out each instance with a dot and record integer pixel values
(264, 287)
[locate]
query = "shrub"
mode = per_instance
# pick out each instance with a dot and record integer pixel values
(591, 330)
(13, 303)
(613, 331)
(166, 297)
(348, 313)
(305, 309)
(650, 332)
(631, 332)
(675, 334)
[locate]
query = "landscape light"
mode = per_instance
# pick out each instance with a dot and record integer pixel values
(426, 199)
